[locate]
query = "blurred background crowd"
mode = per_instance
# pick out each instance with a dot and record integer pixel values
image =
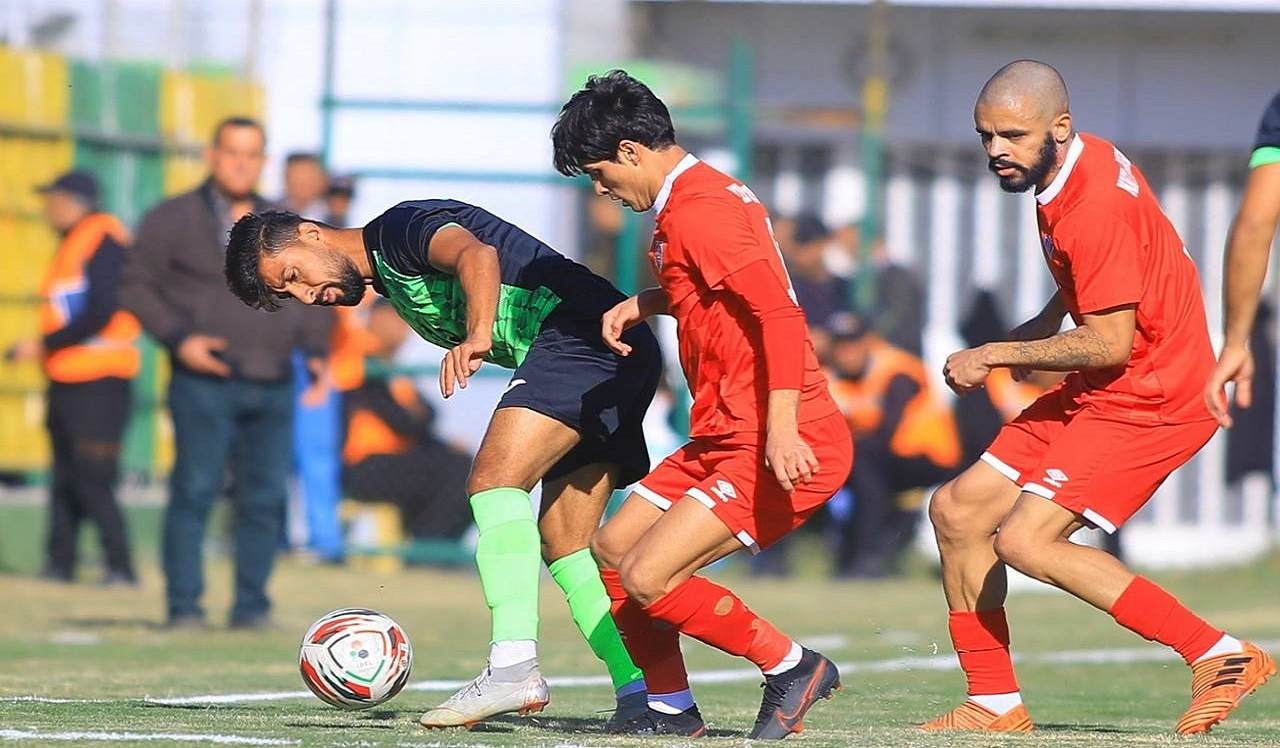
(134, 131)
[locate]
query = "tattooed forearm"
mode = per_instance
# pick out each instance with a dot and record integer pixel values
(1076, 349)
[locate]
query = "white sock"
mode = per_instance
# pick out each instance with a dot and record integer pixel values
(998, 703)
(506, 654)
(1226, 645)
(791, 660)
(635, 686)
(671, 703)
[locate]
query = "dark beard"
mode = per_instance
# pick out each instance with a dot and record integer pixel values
(1028, 176)
(351, 284)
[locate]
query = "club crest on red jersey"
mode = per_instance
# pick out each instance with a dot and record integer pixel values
(659, 247)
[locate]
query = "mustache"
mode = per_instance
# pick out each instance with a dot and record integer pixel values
(996, 164)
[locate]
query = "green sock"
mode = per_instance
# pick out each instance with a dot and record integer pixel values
(579, 577)
(509, 558)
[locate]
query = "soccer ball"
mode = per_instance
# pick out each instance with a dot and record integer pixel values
(355, 658)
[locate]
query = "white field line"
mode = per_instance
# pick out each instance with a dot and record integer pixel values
(120, 736)
(738, 675)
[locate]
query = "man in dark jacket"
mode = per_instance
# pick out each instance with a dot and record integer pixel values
(231, 396)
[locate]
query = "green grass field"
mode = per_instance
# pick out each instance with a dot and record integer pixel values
(97, 660)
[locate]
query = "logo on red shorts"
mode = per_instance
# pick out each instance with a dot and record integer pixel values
(724, 490)
(1055, 477)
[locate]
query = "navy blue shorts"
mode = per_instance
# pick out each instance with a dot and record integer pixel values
(572, 376)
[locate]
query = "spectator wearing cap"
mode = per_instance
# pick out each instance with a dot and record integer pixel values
(819, 293)
(342, 190)
(318, 431)
(905, 438)
(87, 346)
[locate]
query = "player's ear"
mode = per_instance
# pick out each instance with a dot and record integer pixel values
(628, 152)
(1062, 128)
(308, 232)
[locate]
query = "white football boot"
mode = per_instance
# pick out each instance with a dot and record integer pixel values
(485, 697)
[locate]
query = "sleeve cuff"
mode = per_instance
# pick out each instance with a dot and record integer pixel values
(1265, 155)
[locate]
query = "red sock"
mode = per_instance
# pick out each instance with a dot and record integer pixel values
(1151, 612)
(981, 639)
(654, 646)
(712, 614)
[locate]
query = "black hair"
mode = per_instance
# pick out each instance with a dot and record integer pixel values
(609, 109)
(302, 156)
(254, 236)
(236, 122)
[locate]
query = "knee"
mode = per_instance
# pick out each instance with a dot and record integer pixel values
(947, 513)
(1017, 549)
(607, 550)
(640, 582)
(488, 473)
(482, 479)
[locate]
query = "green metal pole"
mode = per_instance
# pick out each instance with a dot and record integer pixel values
(326, 95)
(875, 109)
(625, 261)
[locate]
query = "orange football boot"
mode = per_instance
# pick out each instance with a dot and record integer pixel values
(1218, 684)
(973, 716)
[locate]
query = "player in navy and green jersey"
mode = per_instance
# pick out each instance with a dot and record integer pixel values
(1248, 254)
(570, 417)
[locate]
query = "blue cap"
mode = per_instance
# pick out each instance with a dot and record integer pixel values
(80, 184)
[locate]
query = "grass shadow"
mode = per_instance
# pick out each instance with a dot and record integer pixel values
(1103, 729)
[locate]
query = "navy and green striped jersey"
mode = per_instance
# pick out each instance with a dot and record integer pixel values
(536, 279)
(1266, 148)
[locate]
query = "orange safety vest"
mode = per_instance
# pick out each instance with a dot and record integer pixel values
(1008, 396)
(350, 343)
(112, 352)
(369, 435)
(927, 428)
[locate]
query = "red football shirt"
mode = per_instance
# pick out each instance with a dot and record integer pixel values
(1109, 244)
(710, 226)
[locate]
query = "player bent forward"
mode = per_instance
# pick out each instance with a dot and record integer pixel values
(768, 445)
(570, 416)
(1093, 450)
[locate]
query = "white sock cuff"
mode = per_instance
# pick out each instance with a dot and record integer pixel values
(506, 654)
(791, 660)
(999, 703)
(671, 703)
(1226, 645)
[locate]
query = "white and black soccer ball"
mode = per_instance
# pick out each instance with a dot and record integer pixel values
(355, 658)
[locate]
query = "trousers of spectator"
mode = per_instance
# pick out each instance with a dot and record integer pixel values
(221, 423)
(317, 453)
(877, 530)
(86, 423)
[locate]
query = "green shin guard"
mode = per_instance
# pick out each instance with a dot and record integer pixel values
(579, 577)
(508, 556)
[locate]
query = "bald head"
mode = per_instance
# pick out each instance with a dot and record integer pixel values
(1029, 85)
(1023, 118)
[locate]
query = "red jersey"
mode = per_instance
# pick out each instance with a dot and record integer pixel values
(710, 226)
(1109, 244)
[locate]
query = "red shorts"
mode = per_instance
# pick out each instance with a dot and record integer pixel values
(1102, 468)
(728, 475)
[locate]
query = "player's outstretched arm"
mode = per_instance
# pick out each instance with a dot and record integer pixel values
(629, 313)
(1245, 268)
(457, 251)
